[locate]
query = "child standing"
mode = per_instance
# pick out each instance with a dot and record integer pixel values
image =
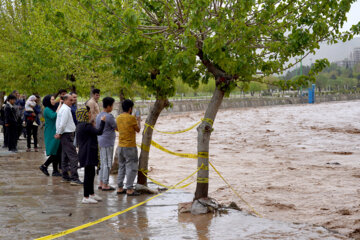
(128, 125)
(106, 143)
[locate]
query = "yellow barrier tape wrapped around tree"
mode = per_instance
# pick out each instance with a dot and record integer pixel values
(202, 180)
(177, 132)
(66, 232)
(208, 120)
(163, 185)
(184, 155)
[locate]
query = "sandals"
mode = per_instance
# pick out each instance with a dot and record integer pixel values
(135, 193)
(108, 189)
(122, 192)
(99, 187)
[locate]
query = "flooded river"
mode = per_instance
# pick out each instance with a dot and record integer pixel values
(295, 163)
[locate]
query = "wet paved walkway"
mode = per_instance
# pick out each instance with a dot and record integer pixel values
(33, 205)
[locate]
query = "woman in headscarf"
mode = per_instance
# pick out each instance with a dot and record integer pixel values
(52, 145)
(86, 136)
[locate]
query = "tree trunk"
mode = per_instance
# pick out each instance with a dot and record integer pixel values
(122, 98)
(153, 116)
(204, 132)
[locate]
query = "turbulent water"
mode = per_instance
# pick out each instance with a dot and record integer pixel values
(295, 163)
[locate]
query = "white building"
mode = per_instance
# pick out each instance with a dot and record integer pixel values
(356, 55)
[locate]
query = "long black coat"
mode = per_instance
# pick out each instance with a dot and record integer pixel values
(10, 115)
(86, 137)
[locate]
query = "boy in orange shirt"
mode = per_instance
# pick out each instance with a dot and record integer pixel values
(127, 126)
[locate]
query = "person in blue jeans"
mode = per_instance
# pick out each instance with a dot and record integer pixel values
(106, 143)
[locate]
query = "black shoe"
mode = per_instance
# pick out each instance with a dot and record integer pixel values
(56, 174)
(76, 182)
(65, 179)
(134, 193)
(44, 170)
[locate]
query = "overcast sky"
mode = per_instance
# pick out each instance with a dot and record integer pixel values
(353, 16)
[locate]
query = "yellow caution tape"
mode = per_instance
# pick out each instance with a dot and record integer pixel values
(208, 120)
(177, 132)
(252, 209)
(203, 167)
(66, 232)
(145, 147)
(143, 170)
(184, 155)
(202, 180)
(163, 185)
(203, 154)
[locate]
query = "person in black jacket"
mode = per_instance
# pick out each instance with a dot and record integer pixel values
(2, 121)
(86, 134)
(11, 123)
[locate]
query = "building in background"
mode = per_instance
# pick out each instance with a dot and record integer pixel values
(352, 60)
(356, 55)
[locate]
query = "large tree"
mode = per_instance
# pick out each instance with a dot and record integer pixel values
(239, 41)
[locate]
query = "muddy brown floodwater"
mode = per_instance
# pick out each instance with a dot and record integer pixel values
(297, 165)
(294, 163)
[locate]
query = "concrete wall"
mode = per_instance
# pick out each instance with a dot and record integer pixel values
(201, 105)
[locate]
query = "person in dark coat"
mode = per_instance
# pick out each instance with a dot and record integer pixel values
(2, 121)
(86, 134)
(11, 123)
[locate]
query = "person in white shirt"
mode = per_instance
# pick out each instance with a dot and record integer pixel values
(65, 131)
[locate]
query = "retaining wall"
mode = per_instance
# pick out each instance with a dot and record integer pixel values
(201, 105)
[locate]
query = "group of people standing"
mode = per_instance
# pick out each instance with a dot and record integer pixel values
(78, 137)
(19, 116)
